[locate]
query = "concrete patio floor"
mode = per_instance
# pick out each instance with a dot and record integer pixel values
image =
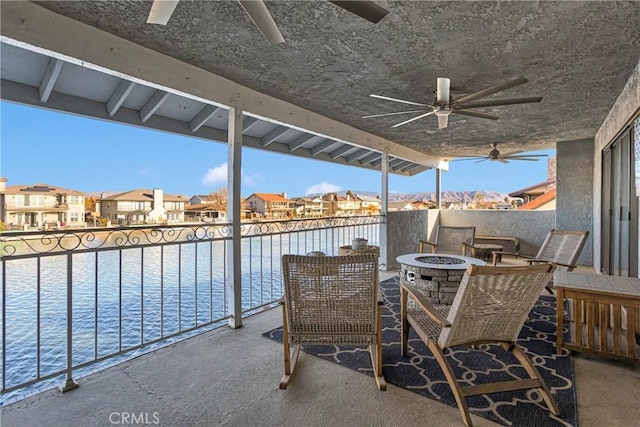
(230, 377)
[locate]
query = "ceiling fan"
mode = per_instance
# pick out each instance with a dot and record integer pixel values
(444, 105)
(494, 155)
(161, 11)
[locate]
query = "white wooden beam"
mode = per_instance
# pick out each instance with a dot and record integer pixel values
(248, 123)
(370, 158)
(118, 97)
(322, 146)
(300, 142)
(201, 118)
(275, 134)
(33, 27)
(341, 150)
(395, 162)
(152, 105)
(357, 155)
(49, 78)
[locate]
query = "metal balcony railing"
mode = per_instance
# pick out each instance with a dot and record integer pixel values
(78, 301)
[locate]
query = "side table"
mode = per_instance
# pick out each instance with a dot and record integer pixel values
(484, 251)
(605, 314)
(369, 249)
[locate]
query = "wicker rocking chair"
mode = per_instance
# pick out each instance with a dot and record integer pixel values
(451, 240)
(490, 306)
(331, 300)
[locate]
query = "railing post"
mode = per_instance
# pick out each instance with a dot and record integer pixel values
(234, 164)
(69, 383)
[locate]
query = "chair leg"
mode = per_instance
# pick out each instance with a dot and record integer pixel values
(404, 323)
(289, 360)
(451, 379)
(376, 361)
(375, 351)
(533, 373)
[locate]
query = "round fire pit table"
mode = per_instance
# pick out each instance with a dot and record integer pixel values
(437, 276)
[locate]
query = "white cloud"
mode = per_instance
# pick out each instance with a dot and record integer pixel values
(219, 175)
(323, 187)
(216, 176)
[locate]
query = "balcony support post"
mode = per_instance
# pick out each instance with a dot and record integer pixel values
(69, 383)
(438, 188)
(234, 164)
(384, 200)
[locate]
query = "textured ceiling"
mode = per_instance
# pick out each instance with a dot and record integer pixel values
(576, 55)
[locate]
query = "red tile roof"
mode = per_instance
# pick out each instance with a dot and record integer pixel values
(271, 197)
(539, 201)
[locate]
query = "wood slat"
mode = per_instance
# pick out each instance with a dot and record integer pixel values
(591, 333)
(631, 330)
(577, 322)
(617, 328)
(603, 325)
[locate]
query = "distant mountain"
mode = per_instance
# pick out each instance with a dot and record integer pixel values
(447, 196)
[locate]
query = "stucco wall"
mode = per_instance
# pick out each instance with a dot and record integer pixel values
(404, 229)
(531, 227)
(620, 115)
(574, 198)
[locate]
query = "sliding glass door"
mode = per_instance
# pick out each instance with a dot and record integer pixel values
(619, 208)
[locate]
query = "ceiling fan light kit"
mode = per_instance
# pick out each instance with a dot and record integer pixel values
(443, 106)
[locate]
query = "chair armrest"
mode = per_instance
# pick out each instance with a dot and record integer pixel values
(426, 305)
(569, 266)
(421, 244)
(472, 248)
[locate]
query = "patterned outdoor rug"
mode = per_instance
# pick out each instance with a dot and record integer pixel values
(420, 373)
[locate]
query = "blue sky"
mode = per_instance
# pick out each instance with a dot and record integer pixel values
(40, 146)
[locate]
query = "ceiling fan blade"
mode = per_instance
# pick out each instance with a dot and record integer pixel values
(259, 14)
(442, 93)
(521, 158)
(493, 89)
(512, 155)
(498, 102)
(364, 9)
(483, 160)
(443, 121)
(469, 158)
(410, 120)
(502, 161)
(399, 100)
(161, 11)
(392, 114)
(476, 114)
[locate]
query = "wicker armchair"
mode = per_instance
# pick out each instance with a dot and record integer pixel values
(560, 247)
(451, 240)
(490, 306)
(331, 300)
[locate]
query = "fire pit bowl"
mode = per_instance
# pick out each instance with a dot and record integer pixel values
(437, 276)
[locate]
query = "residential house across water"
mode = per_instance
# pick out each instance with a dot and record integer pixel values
(270, 205)
(143, 206)
(41, 206)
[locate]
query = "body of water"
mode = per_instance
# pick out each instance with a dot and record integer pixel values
(126, 298)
